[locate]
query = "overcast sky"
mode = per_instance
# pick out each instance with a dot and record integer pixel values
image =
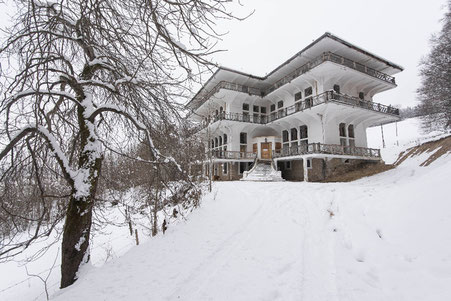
(397, 30)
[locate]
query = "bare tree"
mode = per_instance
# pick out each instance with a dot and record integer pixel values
(84, 72)
(435, 89)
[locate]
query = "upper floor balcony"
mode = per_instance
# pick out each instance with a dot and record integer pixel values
(325, 97)
(324, 57)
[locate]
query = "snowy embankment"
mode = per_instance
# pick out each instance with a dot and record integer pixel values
(385, 237)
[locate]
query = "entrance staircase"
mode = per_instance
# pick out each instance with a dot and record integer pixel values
(263, 171)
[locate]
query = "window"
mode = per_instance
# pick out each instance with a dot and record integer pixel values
(287, 164)
(309, 163)
(224, 168)
(337, 88)
(343, 141)
(216, 142)
(297, 96)
(256, 109)
(280, 104)
(294, 134)
(263, 110)
(361, 96)
(245, 107)
(212, 143)
(225, 138)
(273, 108)
(285, 136)
(216, 112)
(308, 91)
(342, 129)
(221, 109)
(351, 131)
(220, 140)
(243, 138)
(303, 132)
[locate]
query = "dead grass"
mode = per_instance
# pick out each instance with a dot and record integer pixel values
(369, 169)
(438, 148)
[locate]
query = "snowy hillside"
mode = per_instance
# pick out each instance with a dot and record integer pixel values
(384, 237)
(380, 238)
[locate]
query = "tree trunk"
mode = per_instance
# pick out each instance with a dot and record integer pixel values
(77, 227)
(75, 239)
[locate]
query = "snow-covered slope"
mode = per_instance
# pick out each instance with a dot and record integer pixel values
(384, 237)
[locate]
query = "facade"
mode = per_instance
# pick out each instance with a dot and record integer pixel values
(308, 116)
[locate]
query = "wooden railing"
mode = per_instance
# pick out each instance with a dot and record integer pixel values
(324, 57)
(220, 154)
(331, 149)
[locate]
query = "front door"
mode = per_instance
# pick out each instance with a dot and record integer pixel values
(266, 150)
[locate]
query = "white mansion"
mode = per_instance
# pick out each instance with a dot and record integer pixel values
(307, 118)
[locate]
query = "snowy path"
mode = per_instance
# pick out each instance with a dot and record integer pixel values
(380, 238)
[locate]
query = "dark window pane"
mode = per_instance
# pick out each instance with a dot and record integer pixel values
(337, 88)
(280, 104)
(256, 109)
(285, 136)
(273, 108)
(245, 106)
(243, 138)
(294, 134)
(303, 133)
(361, 95)
(225, 138)
(297, 96)
(342, 130)
(308, 91)
(351, 131)
(263, 110)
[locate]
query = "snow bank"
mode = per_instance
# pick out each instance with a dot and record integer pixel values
(384, 237)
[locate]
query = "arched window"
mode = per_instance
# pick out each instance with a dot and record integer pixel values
(285, 136)
(294, 134)
(337, 89)
(220, 140)
(351, 131)
(225, 138)
(212, 145)
(342, 129)
(216, 142)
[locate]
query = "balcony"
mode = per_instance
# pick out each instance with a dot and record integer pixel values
(325, 97)
(330, 149)
(236, 155)
(331, 96)
(331, 57)
(324, 57)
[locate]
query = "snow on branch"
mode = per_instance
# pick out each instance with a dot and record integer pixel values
(61, 158)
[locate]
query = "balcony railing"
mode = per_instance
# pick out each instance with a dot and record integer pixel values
(331, 96)
(332, 57)
(328, 96)
(330, 149)
(324, 57)
(221, 154)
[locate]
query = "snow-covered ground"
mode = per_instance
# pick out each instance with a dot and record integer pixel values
(384, 237)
